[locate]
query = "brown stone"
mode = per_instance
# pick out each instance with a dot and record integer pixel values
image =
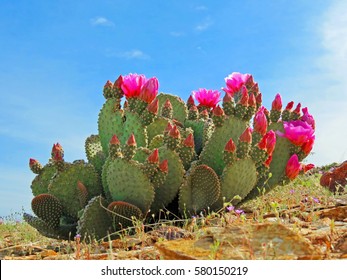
(255, 241)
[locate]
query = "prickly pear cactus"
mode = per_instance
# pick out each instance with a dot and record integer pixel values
(154, 151)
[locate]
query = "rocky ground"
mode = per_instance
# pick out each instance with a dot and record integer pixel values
(299, 221)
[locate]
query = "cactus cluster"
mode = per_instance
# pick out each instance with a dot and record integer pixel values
(153, 150)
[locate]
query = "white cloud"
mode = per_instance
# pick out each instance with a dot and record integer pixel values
(133, 54)
(204, 25)
(102, 21)
(322, 86)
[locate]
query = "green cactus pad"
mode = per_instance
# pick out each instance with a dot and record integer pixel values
(200, 190)
(238, 179)
(110, 122)
(212, 154)
(157, 142)
(141, 154)
(64, 186)
(94, 152)
(168, 191)
(62, 232)
(280, 157)
(198, 127)
(180, 110)
(48, 208)
(127, 182)
(41, 182)
(95, 222)
(122, 214)
(156, 128)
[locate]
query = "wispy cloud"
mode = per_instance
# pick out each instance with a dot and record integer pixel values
(322, 86)
(204, 25)
(133, 54)
(101, 21)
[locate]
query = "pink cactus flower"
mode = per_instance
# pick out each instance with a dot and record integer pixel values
(293, 167)
(207, 97)
(277, 103)
(298, 132)
(235, 81)
(260, 121)
(307, 117)
(149, 90)
(132, 85)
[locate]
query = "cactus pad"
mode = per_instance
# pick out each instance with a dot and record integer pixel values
(200, 190)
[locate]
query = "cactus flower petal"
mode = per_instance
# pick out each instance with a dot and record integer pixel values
(235, 81)
(298, 132)
(207, 97)
(307, 117)
(132, 85)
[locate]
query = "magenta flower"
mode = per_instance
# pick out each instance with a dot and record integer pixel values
(207, 97)
(298, 132)
(132, 85)
(235, 81)
(260, 121)
(307, 117)
(149, 90)
(293, 167)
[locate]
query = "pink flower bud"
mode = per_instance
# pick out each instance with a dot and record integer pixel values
(307, 167)
(293, 167)
(153, 106)
(163, 166)
(297, 109)
(218, 111)
(174, 132)
(270, 141)
(251, 100)
(290, 105)
(263, 143)
(227, 98)
(277, 103)
(167, 104)
(246, 136)
(149, 90)
(131, 141)
(154, 157)
(259, 99)
(189, 141)
(307, 117)
(244, 96)
(32, 162)
(260, 121)
(230, 146)
(190, 101)
(118, 83)
(108, 84)
(114, 140)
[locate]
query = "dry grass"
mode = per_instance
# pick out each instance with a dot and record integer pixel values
(19, 240)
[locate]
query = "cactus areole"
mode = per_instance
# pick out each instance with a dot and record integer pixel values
(154, 151)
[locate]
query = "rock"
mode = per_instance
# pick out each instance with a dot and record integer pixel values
(255, 241)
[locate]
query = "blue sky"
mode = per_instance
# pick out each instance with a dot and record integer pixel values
(55, 57)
